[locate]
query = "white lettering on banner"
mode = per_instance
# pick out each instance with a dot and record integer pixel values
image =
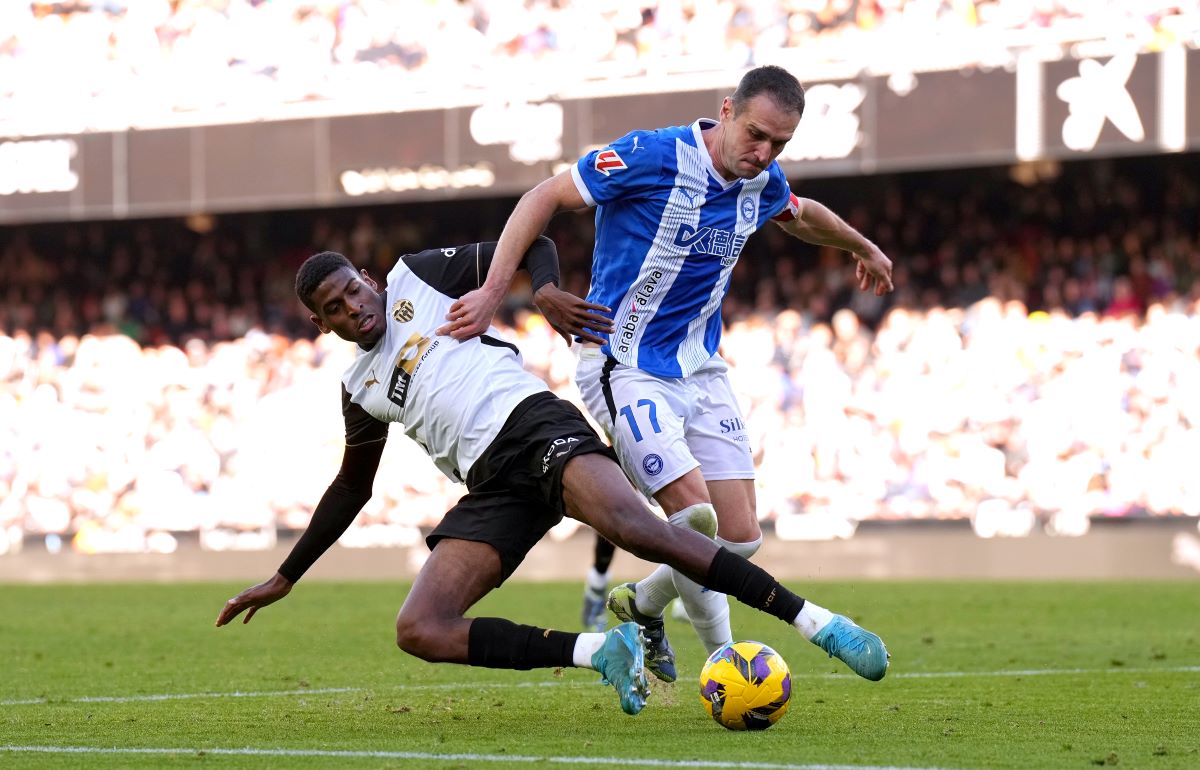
(533, 132)
(39, 166)
(831, 124)
(1096, 95)
(428, 177)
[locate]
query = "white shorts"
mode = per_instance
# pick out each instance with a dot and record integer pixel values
(664, 427)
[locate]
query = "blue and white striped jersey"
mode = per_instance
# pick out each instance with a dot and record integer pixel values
(669, 230)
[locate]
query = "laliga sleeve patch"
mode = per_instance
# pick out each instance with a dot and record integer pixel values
(608, 161)
(790, 211)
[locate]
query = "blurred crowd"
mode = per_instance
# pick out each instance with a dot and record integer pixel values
(1110, 237)
(1038, 364)
(107, 64)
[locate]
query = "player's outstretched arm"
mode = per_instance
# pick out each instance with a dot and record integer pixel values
(815, 223)
(471, 315)
(345, 497)
(254, 598)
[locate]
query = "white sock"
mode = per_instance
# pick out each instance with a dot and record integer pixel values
(812, 618)
(597, 581)
(708, 611)
(585, 647)
(657, 590)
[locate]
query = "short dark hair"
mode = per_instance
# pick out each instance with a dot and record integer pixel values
(776, 82)
(316, 269)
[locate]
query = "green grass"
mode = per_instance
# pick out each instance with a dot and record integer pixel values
(1121, 692)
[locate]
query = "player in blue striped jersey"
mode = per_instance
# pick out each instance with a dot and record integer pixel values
(674, 208)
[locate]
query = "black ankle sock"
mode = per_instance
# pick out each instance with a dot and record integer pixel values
(752, 585)
(603, 554)
(500, 643)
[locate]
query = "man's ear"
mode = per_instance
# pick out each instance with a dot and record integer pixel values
(324, 329)
(368, 279)
(727, 110)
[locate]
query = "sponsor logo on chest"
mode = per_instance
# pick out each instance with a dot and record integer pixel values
(408, 360)
(713, 241)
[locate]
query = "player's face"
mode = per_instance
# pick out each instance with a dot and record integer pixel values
(754, 136)
(349, 305)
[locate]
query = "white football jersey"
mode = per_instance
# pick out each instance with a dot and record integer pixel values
(451, 397)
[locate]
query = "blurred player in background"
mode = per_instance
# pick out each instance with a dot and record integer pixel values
(595, 588)
(674, 208)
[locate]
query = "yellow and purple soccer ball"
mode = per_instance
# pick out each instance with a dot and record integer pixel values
(745, 686)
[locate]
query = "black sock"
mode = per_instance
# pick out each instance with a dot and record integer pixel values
(500, 643)
(752, 585)
(603, 554)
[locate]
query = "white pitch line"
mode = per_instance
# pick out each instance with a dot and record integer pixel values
(464, 686)
(427, 756)
(273, 693)
(173, 696)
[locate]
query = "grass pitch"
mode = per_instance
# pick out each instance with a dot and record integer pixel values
(984, 675)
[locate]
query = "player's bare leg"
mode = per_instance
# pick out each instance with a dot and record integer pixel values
(431, 626)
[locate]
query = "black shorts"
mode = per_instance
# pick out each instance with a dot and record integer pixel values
(514, 489)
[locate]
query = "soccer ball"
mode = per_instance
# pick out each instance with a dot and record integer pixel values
(745, 686)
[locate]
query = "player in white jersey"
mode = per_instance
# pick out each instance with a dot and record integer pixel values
(527, 457)
(674, 208)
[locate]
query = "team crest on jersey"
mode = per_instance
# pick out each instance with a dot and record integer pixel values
(403, 311)
(747, 206)
(608, 161)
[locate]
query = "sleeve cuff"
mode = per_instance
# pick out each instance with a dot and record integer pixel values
(581, 186)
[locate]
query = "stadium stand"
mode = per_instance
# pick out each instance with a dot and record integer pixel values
(104, 64)
(1036, 366)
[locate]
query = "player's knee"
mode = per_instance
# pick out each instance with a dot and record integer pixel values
(740, 530)
(417, 636)
(701, 517)
(738, 523)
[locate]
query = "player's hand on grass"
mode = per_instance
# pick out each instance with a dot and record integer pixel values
(571, 316)
(874, 270)
(471, 314)
(254, 598)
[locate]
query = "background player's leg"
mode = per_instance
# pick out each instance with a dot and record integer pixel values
(595, 588)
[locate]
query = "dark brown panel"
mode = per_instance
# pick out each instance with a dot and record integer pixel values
(961, 116)
(260, 164)
(159, 164)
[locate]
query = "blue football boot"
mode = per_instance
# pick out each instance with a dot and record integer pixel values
(620, 661)
(855, 646)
